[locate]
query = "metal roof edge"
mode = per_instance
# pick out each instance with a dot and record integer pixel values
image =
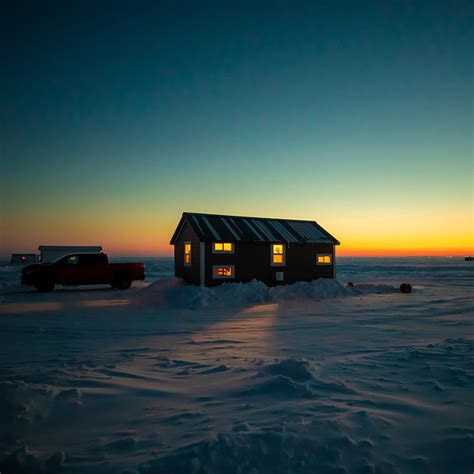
(186, 214)
(336, 241)
(247, 217)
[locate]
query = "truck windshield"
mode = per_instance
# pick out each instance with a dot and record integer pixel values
(83, 259)
(64, 259)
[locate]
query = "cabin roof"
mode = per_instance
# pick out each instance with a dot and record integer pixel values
(222, 228)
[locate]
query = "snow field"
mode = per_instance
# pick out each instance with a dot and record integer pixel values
(242, 378)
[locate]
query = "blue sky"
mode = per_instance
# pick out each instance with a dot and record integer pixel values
(121, 115)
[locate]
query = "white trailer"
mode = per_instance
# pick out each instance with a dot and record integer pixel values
(49, 253)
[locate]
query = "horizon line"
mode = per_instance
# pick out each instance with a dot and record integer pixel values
(7, 257)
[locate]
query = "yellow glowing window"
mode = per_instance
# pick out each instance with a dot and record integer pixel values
(278, 254)
(223, 271)
(223, 247)
(187, 254)
(324, 259)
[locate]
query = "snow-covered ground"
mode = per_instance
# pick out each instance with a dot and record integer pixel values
(312, 378)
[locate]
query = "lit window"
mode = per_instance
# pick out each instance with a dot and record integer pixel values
(223, 247)
(72, 260)
(223, 271)
(278, 254)
(324, 260)
(187, 254)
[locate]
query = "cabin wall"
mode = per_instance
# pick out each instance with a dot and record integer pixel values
(189, 274)
(301, 260)
(253, 260)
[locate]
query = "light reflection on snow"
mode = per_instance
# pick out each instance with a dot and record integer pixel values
(104, 303)
(51, 306)
(19, 308)
(262, 308)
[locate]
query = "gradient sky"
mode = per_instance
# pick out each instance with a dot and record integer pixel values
(118, 116)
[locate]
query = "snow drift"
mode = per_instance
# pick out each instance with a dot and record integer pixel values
(174, 293)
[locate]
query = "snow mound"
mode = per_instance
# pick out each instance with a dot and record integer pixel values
(247, 453)
(295, 377)
(276, 451)
(295, 369)
(174, 293)
(277, 386)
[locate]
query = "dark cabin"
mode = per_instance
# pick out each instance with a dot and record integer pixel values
(23, 258)
(212, 249)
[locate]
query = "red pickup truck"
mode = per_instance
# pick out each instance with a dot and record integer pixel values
(82, 269)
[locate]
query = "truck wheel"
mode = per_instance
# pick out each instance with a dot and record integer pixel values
(45, 286)
(123, 282)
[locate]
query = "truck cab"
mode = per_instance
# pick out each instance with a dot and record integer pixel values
(82, 269)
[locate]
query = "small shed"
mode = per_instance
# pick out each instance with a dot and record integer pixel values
(23, 258)
(49, 253)
(211, 249)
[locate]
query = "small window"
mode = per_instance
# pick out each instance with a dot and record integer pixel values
(72, 259)
(223, 247)
(279, 276)
(278, 254)
(324, 259)
(187, 254)
(223, 271)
